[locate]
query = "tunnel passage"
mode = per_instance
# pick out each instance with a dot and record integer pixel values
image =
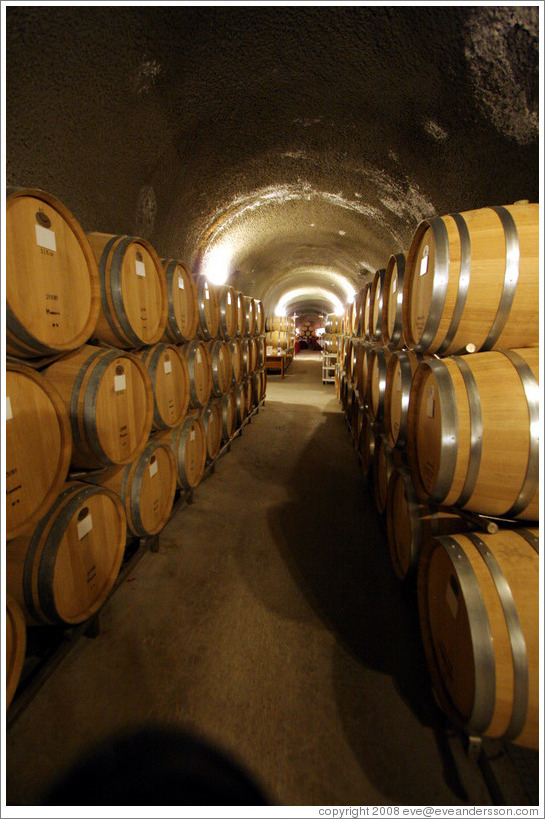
(287, 150)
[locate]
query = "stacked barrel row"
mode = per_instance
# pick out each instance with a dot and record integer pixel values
(334, 329)
(125, 374)
(279, 335)
(439, 380)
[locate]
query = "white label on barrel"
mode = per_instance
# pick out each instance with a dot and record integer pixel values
(431, 402)
(269, 351)
(394, 284)
(452, 601)
(181, 282)
(45, 238)
(140, 268)
(424, 261)
(192, 435)
(9, 413)
(228, 298)
(198, 356)
(120, 382)
(85, 526)
(153, 468)
(168, 367)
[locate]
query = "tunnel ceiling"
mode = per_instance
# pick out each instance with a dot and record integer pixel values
(292, 149)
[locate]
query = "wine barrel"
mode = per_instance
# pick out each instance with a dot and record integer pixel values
(248, 385)
(279, 340)
(227, 300)
(330, 342)
(52, 282)
(38, 446)
(221, 366)
(277, 323)
(366, 312)
(401, 368)
(377, 369)
(183, 310)
(249, 316)
(228, 407)
(188, 444)
(473, 437)
(478, 600)
(209, 309)
(392, 302)
(361, 369)
(109, 398)
(146, 488)
(241, 403)
(366, 444)
(200, 372)
(411, 522)
(259, 378)
(237, 361)
(15, 646)
(383, 466)
(64, 569)
(241, 314)
(169, 376)
(259, 317)
(211, 418)
(333, 324)
(375, 306)
(133, 291)
(472, 279)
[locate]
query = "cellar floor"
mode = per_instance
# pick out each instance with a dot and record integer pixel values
(271, 624)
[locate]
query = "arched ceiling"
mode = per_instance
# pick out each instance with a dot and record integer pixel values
(291, 149)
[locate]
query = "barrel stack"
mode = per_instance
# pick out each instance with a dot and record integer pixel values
(123, 375)
(439, 380)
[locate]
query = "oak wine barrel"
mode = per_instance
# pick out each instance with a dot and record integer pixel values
(249, 316)
(241, 403)
(410, 522)
(478, 600)
(109, 398)
(145, 487)
(377, 369)
(169, 376)
(188, 444)
(183, 310)
(221, 367)
(259, 317)
(133, 291)
(15, 646)
(472, 281)
(64, 569)
(208, 308)
(392, 302)
(227, 300)
(383, 466)
(228, 407)
(375, 306)
(200, 371)
(333, 324)
(211, 418)
(241, 314)
(38, 446)
(401, 368)
(237, 361)
(473, 433)
(52, 281)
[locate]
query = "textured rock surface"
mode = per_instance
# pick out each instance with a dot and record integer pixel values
(290, 142)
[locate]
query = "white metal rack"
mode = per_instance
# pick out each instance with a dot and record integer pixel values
(329, 360)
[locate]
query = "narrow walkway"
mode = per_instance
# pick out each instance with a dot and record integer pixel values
(270, 622)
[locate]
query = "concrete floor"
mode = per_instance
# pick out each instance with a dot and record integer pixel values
(270, 622)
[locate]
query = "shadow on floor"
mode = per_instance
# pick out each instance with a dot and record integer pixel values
(334, 545)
